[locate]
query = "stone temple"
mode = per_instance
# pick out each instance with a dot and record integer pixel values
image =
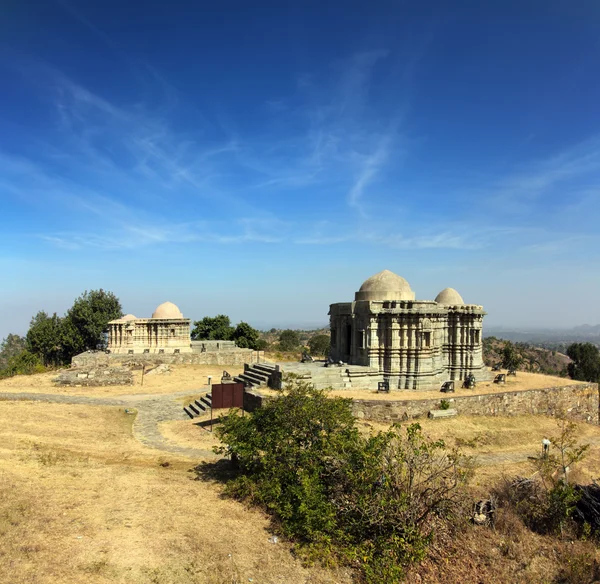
(166, 332)
(415, 344)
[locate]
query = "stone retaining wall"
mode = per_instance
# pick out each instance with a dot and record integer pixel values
(95, 377)
(228, 357)
(580, 402)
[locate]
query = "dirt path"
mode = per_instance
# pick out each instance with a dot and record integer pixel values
(151, 410)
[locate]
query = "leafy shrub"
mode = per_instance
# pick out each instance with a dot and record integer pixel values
(371, 502)
(546, 503)
(25, 363)
(289, 340)
(319, 345)
(444, 404)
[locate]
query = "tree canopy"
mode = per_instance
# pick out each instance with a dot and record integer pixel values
(213, 328)
(11, 346)
(219, 328)
(319, 345)
(585, 364)
(55, 340)
(90, 314)
(511, 358)
(289, 340)
(245, 336)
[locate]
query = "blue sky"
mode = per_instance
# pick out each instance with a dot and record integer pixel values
(261, 159)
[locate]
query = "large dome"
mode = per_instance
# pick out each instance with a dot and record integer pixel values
(167, 310)
(128, 317)
(385, 286)
(450, 297)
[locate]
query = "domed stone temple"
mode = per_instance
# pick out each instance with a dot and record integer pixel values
(166, 332)
(415, 344)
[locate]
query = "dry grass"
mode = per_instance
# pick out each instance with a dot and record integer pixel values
(510, 440)
(82, 501)
(180, 378)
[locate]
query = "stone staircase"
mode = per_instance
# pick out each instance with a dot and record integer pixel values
(199, 407)
(256, 374)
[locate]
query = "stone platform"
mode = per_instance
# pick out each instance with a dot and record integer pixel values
(344, 377)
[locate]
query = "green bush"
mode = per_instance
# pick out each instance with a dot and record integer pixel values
(25, 363)
(289, 340)
(319, 345)
(370, 502)
(444, 404)
(547, 501)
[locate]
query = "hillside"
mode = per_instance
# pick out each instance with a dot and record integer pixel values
(533, 359)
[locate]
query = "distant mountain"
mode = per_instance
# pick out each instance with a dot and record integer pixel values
(593, 329)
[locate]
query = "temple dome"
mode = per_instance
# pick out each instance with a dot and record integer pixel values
(167, 310)
(385, 286)
(129, 317)
(449, 296)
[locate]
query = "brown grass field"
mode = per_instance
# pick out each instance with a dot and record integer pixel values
(81, 500)
(181, 378)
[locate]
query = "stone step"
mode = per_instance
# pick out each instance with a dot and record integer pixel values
(256, 378)
(206, 400)
(443, 413)
(247, 381)
(200, 405)
(265, 367)
(194, 409)
(189, 413)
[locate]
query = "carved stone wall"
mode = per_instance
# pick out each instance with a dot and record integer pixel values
(414, 344)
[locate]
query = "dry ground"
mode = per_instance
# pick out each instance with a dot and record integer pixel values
(83, 501)
(180, 378)
(521, 381)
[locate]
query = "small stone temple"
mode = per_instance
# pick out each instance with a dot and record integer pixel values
(166, 332)
(415, 344)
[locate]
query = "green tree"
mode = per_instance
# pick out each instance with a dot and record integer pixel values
(319, 345)
(11, 346)
(89, 317)
(289, 340)
(217, 328)
(23, 363)
(45, 338)
(245, 336)
(370, 501)
(585, 365)
(511, 358)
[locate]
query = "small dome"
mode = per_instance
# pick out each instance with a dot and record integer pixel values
(167, 310)
(385, 286)
(449, 296)
(129, 317)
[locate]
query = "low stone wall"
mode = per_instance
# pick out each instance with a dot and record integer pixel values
(228, 357)
(580, 402)
(202, 346)
(95, 377)
(253, 400)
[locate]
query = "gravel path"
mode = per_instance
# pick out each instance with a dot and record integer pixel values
(151, 410)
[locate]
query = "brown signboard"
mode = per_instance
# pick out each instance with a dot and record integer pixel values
(227, 395)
